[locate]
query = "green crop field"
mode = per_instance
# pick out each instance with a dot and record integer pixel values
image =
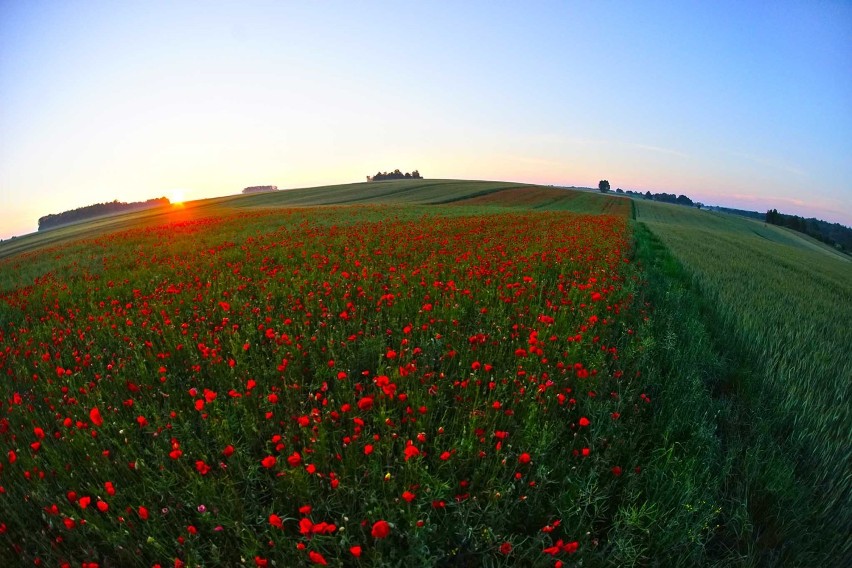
(776, 309)
(431, 373)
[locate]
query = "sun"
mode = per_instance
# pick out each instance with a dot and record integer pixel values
(177, 197)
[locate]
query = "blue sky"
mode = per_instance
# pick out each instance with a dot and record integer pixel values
(745, 104)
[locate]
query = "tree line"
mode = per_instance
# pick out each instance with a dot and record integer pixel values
(396, 174)
(97, 210)
(604, 187)
(664, 197)
(260, 188)
(833, 234)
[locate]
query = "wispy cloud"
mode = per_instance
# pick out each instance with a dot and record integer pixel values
(761, 198)
(770, 163)
(604, 142)
(537, 161)
(657, 149)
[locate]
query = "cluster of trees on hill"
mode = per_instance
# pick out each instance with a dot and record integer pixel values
(260, 188)
(664, 197)
(396, 174)
(97, 210)
(833, 234)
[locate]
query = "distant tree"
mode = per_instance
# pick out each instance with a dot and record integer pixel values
(97, 210)
(260, 189)
(619, 190)
(648, 195)
(832, 234)
(603, 186)
(396, 174)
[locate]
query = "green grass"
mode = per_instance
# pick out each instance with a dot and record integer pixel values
(778, 310)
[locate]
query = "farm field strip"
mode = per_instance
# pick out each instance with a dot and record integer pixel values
(780, 313)
(551, 199)
(332, 385)
(410, 192)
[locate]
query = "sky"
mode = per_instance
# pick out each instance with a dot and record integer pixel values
(744, 104)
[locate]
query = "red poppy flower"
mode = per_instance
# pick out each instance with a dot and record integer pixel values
(317, 558)
(410, 452)
(95, 416)
(276, 521)
(571, 547)
(268, 461)
(381, 529)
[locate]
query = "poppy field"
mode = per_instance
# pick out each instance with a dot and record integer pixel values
(341, 386)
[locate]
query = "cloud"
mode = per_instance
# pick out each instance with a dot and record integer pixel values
(657, 149)
(537, 161)
(760, 198)
(770, 163)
